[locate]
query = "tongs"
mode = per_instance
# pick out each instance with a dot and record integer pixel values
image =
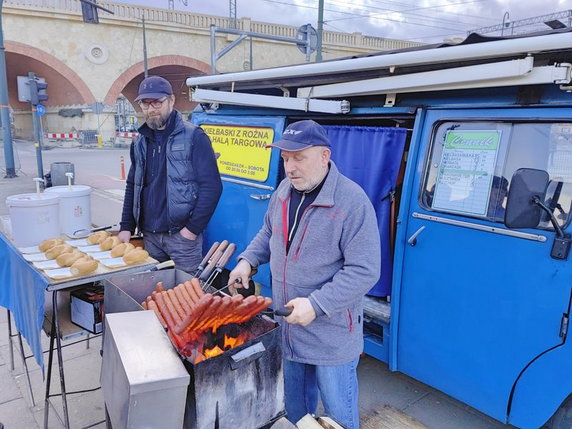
(83, 233)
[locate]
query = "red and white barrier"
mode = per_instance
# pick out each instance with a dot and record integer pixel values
(62, 135)
(125, 134)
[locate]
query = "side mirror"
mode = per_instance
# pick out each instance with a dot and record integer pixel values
(526, 186)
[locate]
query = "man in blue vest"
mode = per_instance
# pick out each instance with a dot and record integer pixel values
(173, 185)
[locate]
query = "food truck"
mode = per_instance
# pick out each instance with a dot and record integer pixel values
(465, 151)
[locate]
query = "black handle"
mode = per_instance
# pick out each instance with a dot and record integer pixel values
(284, 311)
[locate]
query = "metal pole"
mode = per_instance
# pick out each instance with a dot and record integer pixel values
(145, 49)
(505, 18)
(5, 108)
(37, 133)
(213, 49)
(320, 30)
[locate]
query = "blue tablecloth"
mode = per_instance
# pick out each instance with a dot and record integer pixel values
(22, 292)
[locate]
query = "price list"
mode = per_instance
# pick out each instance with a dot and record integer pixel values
(466, 171)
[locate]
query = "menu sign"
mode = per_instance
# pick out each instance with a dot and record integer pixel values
(466, 171)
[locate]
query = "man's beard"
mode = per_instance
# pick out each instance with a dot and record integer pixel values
(157, 122)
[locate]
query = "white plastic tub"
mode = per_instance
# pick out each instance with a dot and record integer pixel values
(34, 218)
(75, 207)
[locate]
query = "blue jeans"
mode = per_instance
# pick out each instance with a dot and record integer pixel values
(337, 385)
(185, 253)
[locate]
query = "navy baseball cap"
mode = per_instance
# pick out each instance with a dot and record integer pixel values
(302, 135)
(154, 87)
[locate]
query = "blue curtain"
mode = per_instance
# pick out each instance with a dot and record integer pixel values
(370, 156)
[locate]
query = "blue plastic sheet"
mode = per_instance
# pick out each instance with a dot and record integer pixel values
(22, 292)
(370, 156)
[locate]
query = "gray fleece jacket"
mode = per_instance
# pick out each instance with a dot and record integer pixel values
(334, 259)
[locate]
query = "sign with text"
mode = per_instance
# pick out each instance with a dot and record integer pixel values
(241, 150)
(466, 171)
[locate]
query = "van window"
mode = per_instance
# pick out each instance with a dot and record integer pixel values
(471, 164)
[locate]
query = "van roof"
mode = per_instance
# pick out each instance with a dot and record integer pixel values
(547, 47)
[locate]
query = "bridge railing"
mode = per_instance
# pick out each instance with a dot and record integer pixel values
(124, 11)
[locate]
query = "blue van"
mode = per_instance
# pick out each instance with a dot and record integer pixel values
(466, 153)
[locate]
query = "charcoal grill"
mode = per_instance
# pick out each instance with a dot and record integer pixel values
(242, 388)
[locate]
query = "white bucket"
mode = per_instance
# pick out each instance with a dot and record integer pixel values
(75, 207)
(34, 218)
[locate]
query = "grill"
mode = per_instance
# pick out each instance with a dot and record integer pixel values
(240, 388)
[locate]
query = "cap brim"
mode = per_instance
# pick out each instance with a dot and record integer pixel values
(289, 145)
(152, 96)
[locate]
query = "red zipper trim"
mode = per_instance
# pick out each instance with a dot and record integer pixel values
(351, 320)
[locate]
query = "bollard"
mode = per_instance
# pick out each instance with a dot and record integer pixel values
(122, 162)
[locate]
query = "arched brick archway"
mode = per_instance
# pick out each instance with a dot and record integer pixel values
(175, 68)
(64, 85)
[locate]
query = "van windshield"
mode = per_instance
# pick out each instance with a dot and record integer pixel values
(471, 164)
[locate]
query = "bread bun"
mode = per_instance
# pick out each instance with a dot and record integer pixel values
(98, 237)
(109, 243)
(67, 259)
(56, 251)
(46, 245)
(83, 266)
(135, 256)
(121, 249)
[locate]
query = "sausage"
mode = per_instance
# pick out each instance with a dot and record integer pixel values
(158, 297)
(202, 306)
(171, 307)
(235, 301)
(197, 287)
(215, 321)
(182, 300)
(199, 324)
(159, 287)
(243, 309)
(176, 302)
(262, 305)
(186, 295)
(191, 290)
(152, 305)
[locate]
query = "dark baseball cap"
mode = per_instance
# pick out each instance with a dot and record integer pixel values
(302, 135)
(154, 87)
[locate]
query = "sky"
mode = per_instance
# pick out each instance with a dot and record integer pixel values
(428, 21)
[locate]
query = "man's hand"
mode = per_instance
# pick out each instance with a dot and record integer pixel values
(188, 234)
(242, 272)
(124, 236)
(302, 312)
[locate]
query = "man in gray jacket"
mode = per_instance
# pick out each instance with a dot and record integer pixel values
(321, 238)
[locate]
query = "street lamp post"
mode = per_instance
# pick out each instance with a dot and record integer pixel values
(5, 107)
(505, 22)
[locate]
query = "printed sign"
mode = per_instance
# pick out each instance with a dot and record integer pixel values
(466, 171)
(241, 151)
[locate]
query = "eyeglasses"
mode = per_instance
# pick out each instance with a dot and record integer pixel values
(153, 103)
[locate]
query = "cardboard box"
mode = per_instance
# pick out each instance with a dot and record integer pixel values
(87, 307)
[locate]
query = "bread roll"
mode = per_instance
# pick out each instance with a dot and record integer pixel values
(83, 266)
(98, 237)
(48, 244)
(109, 243)
(56, 251)
(67, 259)
(121, 249)
(135, 256)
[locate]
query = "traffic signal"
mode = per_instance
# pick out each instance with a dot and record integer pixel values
(38, 88)
(89, 11)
